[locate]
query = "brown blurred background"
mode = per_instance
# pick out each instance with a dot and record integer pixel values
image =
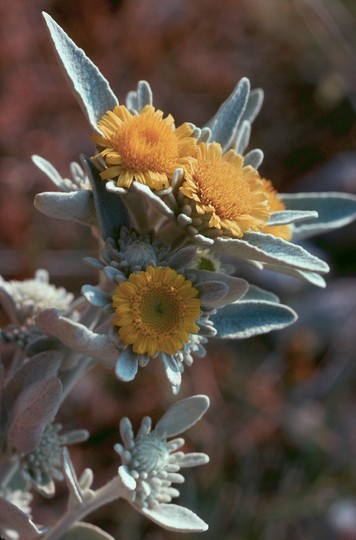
(281, 428)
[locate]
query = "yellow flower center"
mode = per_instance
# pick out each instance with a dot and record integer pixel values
(156, 310)
(231, 195)
(146, 148)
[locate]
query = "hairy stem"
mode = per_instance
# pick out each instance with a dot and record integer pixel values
(106, 494)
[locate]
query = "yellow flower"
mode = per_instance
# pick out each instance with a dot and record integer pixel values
(144, 147)
(156, 310)
(276, 205)
(225, 192)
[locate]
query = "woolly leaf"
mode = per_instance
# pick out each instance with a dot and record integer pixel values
(175, 518)
(254, 104)
(226, 120)
(110, 210)
(86, 531)
(334, 210)
(270, 249)
(33, 410)
(90, 87)
(290, 216)
(13, 518)
(254, 158)
(75, 206)
(251, 318)
(76, 336)
(41, 366)
(181, 416)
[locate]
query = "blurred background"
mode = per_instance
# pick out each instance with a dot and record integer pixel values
(281, 428)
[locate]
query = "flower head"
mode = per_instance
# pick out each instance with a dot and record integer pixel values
(224, 194)
(144, 147)
(156, 310)
(43, 465)
(151, 463)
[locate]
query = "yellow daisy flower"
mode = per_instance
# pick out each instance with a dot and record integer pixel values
(222, 190)
(156, 310)
(276, 205)
(144, 147)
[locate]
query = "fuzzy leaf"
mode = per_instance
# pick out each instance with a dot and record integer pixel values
(251, 318)
(254, 158)
(290, 216)
(235, 287)
(254, 104)
(243, 137)
(33, 410)
(86, 531)
(126, 365)
(76, 336)
(12, 517)
(256, 293)
(95, 296)
(270, 249)
(42, 366)
(47, 168)
(75, 206)
(334, 210)
(226, 120)
(182, 415)
(309, 277)
(90, 87)
(110, 210)
(175, 518)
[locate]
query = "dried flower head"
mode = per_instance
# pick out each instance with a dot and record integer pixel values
(145, 147)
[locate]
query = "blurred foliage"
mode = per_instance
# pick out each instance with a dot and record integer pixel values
(280, 431)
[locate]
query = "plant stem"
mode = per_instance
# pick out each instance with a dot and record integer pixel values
(106, 494)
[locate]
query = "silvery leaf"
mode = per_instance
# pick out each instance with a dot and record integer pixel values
(236, 287)
(110, 210)
(181, 416)
(127, 479)
(334, 210)
(254, 158)
(254, 104)
(126, 365)
(90, 87)
(33, 410)
(75, 206)
(226, 120)
(243, 137)
(95, 296)
(310, 277)
(13, 518)
(86, 531)
(256, 293)
(47, 168)
(251, 318)
(175, 518)
(270, 249)
(284, 217)
(193, 459)
(76, 336)
(144, 95)
(41, 366)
